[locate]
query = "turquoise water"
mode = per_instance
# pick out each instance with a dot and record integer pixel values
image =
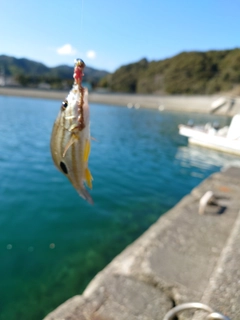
(52, 242)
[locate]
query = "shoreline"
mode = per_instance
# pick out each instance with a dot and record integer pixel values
(180, 103)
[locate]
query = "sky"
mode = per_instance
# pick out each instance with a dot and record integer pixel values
(107, 34)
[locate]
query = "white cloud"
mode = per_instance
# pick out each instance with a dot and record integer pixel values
(67, 50)
(91, 54)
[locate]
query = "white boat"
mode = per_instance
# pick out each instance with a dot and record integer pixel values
(226, 139)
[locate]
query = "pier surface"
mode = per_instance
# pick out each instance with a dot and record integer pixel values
(183, 257)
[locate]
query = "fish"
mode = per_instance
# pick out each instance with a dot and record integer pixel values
(70, 140)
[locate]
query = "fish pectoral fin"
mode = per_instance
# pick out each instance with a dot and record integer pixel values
(88, 178)
(86, 152)
(73, 128)
(73, 139)
(94, 139)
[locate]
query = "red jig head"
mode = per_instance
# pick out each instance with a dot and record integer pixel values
(78, 71)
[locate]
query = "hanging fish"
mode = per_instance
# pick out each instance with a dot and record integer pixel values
(70, 140)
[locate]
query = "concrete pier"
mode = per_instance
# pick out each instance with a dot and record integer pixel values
(183, 257)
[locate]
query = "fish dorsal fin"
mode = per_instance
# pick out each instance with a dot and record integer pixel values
(87, 149)
(73, 139)
(88, 178)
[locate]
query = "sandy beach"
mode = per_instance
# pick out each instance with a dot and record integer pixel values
(179, 103)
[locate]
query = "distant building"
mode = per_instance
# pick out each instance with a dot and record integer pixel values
(2, 80)
(44, 86)
(2, 77)
(7, 81)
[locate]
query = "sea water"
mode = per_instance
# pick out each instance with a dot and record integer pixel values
(52, 242)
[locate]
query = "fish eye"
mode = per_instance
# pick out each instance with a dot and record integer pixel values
(64, 105)
(63, 167)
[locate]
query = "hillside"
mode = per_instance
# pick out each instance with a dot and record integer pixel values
(31, 73)
(186, 73)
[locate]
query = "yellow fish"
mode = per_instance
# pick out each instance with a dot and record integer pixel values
(70, 140)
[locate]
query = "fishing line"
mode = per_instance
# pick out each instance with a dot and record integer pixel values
(81, 18)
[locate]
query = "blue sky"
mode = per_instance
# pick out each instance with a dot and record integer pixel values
(107, 34)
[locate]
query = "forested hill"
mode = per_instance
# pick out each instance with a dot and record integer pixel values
(27, 72)
(186, 73)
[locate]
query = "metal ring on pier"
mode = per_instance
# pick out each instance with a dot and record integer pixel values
(217, 316)
(195, 305)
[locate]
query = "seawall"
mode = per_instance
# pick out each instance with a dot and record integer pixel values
(183, 257)
(178, 103)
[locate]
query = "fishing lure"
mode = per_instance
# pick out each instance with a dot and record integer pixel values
(70, 140)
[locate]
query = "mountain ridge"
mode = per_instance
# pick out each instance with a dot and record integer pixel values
(194, 72)
(26, 71)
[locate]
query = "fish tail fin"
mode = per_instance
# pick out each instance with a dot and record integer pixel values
(85, 195)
